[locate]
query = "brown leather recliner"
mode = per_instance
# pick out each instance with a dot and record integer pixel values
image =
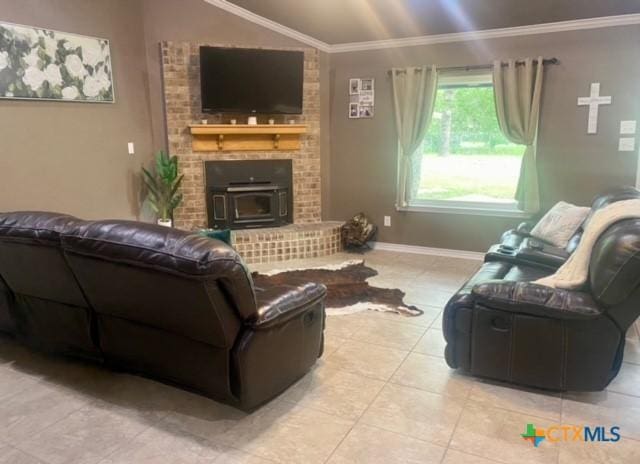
(155, 301)
(502, 326)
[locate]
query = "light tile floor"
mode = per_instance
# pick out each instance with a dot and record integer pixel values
(382, 393)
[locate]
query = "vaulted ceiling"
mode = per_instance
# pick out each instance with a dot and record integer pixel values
(340, 21)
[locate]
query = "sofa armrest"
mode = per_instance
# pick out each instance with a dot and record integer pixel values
(280, 345)
(513, 237)
(536, 251)
(277, 305)
(524, 228)
(537, 300)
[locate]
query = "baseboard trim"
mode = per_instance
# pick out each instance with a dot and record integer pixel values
(422, 250)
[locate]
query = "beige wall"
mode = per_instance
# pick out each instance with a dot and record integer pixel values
(72, 157)
(196, 21)
(573, 166)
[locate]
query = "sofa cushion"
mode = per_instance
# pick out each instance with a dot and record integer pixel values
(32, 263)
(165, 248)
(48, 308)
(172, 251)
(35, 226)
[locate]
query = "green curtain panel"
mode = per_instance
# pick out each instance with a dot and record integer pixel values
(518, 88)
(414, 95)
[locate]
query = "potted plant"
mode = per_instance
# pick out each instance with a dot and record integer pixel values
(163, 187)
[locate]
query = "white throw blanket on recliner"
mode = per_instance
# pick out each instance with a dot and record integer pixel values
(574, 273)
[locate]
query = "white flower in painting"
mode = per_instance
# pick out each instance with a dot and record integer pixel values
(52, 74)
(106, 53)
(91, 51)
(70, 93)
(32, 58)
(75, 66)
(4, 60)
(25, 33)
(33, 77)
(92, 54)
(103, 79)
(50, 46)
(92, 86)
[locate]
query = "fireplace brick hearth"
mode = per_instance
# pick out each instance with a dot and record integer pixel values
(295, 241)
(181, 76)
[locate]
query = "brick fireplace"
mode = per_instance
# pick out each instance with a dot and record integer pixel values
(307, 236)
(181, 74)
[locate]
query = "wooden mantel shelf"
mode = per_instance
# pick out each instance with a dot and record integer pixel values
(244, 137)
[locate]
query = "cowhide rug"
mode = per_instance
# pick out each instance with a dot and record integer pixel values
(347, 289)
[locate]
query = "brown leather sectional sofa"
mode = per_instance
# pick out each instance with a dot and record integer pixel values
(156, 301)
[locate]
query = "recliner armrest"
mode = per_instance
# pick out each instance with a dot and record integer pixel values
(513, 237)
(277, 305)
(524, 228)
(536, 251)
(537, 300)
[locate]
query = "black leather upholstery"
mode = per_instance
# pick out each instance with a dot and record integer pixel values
(518, 246)
(156, 301)
(53, 313)
(7, 324)
(503, 326)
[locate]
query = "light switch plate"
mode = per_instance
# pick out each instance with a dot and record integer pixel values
(387, 221)
(131, 148)
(627, 127)
(626, 144)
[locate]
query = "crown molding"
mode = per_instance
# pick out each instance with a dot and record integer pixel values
(269, 24)
(545, 28)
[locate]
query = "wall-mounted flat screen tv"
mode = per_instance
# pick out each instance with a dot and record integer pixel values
(241, 80)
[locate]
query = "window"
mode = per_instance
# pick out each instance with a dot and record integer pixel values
(466, 161)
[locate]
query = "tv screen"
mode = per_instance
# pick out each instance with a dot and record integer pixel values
(239, 80)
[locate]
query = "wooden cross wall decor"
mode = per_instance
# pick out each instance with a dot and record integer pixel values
(593, 101)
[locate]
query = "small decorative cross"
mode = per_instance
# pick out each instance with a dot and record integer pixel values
(593, 101)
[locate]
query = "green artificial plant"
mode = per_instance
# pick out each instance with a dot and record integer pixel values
(163, 185)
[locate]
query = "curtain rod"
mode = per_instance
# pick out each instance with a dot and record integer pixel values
(480, 66)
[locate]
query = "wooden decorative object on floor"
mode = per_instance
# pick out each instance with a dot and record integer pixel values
(348, 291)
(244, 137)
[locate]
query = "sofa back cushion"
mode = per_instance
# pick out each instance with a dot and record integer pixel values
(612, 196)
(600, 201)
(162, 278)
(7, 324)
(48, 306)
(31, 261)
(614, 271)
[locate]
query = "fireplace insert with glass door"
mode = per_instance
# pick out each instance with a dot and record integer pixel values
(248, 194)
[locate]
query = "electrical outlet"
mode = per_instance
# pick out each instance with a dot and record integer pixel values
(131, 148)
(387, 221)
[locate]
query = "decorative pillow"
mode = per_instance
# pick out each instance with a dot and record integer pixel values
(223, 234)
(560, 223)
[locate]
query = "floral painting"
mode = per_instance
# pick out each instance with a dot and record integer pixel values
(43, 64)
